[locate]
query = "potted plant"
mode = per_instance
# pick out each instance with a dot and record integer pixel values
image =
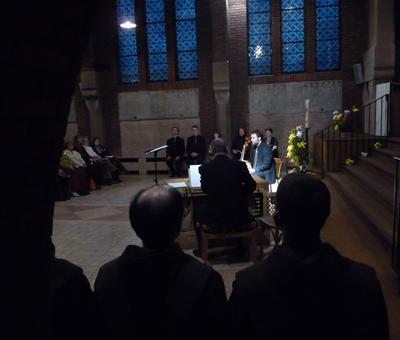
(297, 154)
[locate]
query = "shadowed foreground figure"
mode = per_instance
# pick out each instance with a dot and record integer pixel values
(156, 291)
(306, 289)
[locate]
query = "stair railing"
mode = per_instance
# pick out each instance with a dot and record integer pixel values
(364, 128)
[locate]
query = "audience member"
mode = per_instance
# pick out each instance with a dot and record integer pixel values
(72, 307)
(261, 158)
(157, 291)
(216, 137)
(195, 147)
(79, 182)
(94, 169)
(175, 153)
(238, 143)
(228, 186)
(306, 289)
(62, 188)
(271, 141)
(103, 152)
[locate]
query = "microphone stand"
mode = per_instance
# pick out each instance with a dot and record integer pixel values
(155, 152)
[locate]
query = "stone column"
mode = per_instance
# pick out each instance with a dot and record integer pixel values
(221, 93)
(89, 90)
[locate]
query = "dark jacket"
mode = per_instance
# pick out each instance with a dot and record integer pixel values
(176, 147)
(265, 166)
(196, 144)
(273, 143)
(72, 306)
(328, 297)
(101, 150)
(228, 186)
(145, 294)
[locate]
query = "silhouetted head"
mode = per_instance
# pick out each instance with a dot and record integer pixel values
(303, 204)
(241, 132)
(156, 216)
(85, 140)
(218, 146)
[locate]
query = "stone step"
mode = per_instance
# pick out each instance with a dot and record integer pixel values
(379, 162)
(388, 152)
(378, 185)
(368, 206)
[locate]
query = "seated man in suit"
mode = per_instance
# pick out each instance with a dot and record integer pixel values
(195, 147)
(261, 158)
(175, 152)
(228, 186)
(157, 291)
(306, 289)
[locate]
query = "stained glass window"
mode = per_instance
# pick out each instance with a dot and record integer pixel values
(128, 59)
(259, 36)
(292, 32)
(186, 38)
(327, 35)
(156, 40)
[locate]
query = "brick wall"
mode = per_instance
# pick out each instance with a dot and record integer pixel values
(217, 42)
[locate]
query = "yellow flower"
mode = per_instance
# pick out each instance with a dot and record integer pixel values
(377, 146)
(339, 116)
(301, 145)
(354, 109)
(336, 127)
(292, 137)
(290, 148)
(349, 162)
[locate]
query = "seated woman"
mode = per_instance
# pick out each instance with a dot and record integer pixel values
(104, 153)
(110, 172)
(271, 141)
(79, 183)
(216, 136)
(238, 144)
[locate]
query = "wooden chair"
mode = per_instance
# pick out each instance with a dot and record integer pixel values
(207, 234)
(278, 168)
(267, 224)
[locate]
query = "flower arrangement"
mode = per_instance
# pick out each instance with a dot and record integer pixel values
(297, 148)
(340, 118)
(349, 162)
(378, 146)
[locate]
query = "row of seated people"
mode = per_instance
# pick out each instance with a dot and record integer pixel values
(82, 163)
(264, 148)
(305, 289)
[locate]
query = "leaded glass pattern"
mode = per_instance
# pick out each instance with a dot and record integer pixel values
(186, 39)
(157, 59)
(128, 59)
(327, 35)
(259, 37)
(292, 35)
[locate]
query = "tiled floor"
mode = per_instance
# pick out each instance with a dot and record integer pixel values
(94, 229)
(91, 230)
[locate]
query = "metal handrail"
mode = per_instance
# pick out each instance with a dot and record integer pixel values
(337, 146)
